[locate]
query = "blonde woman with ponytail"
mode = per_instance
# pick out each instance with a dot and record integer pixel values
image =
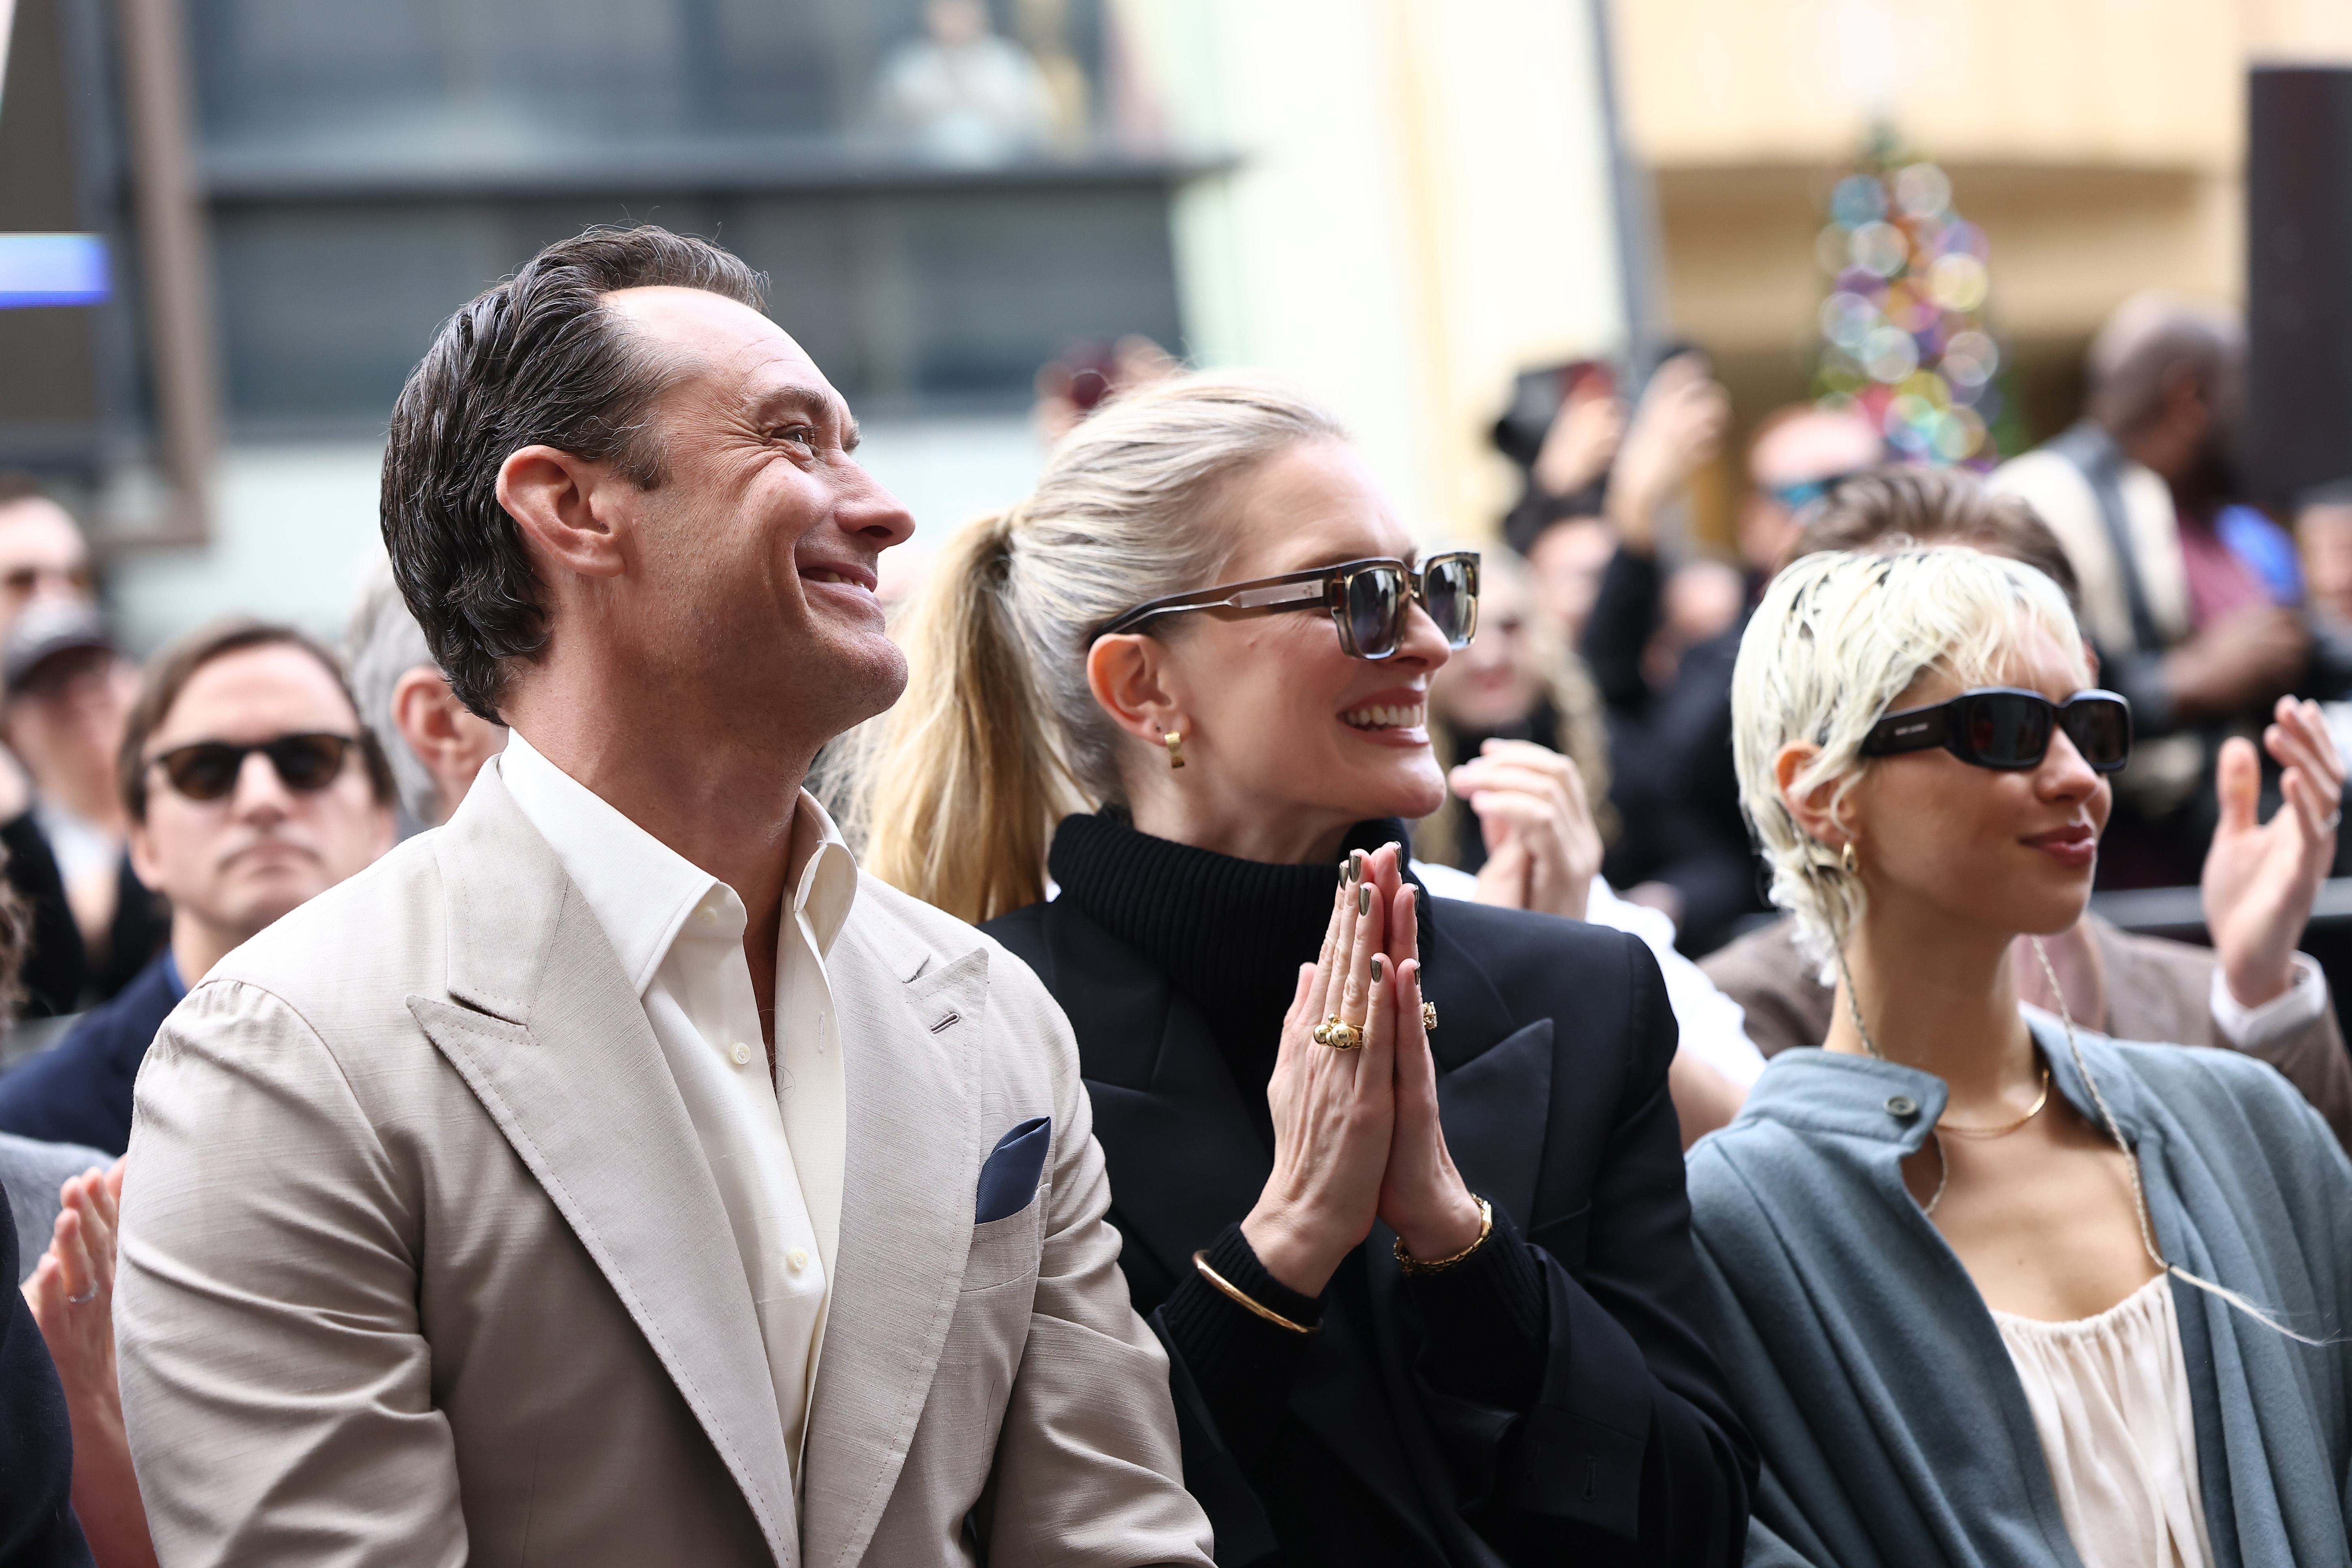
(1994, 1290)
(1399, 1177)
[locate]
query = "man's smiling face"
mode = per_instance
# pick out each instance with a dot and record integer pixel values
(758, 548)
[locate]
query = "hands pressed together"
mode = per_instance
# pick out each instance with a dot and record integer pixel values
(1543, 849)
(1356, 1131)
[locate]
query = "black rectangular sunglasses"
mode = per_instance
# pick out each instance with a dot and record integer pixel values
(1368, 600)
(2007, 728)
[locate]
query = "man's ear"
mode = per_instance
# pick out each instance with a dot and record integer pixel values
(567, 508)
(1127, 675)
(141, 848)
(420, 712)
(1811, 808)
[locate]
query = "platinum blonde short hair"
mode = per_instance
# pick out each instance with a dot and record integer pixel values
(1836, 644)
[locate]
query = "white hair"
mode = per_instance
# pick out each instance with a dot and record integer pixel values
(382, 643)
(1837, 639)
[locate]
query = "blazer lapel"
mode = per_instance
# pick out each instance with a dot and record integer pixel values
(910, 1065)
(544, 1028)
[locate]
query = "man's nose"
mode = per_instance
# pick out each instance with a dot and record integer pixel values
(261, 795)
(867, 508)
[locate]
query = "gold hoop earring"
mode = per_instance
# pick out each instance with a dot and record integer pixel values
(1849, 859)
(1174, 742)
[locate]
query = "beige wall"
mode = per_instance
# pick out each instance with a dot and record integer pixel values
(1420, 209)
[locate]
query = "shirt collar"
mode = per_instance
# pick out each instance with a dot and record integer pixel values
(640, 889)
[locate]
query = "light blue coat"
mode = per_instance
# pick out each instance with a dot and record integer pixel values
(1892, 1425)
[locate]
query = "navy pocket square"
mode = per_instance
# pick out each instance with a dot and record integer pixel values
(1008, 1182)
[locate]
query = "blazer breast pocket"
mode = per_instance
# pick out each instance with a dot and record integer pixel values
(1007, 1216)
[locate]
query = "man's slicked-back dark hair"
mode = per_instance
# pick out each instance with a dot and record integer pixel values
(536, 360)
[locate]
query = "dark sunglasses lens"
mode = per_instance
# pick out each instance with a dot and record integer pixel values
(203, 773)
(1375, 602)
(2100, 727)
(307, 761)
(1451, 595)
(2007, 732)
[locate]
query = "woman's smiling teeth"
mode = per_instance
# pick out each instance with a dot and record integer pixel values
(1407, 716)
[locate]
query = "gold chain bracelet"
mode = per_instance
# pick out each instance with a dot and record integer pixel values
(1415, 1266)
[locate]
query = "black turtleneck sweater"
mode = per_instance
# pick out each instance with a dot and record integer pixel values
(1229, 936)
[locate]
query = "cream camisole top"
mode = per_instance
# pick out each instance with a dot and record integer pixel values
(2110, 1398)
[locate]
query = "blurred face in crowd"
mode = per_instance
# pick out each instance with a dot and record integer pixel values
(2325, 534)
(1568, 559)
(66, 723)
(41, 556)
(1283, 731)
(1791, 459)
(237, 864)
(1498, 680)
(757, 553)
(1946, 843)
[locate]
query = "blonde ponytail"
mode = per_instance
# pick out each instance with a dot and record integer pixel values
(959, 788)
(965, 782)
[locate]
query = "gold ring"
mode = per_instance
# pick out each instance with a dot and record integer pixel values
(1429, 1017)
(1342, 1037)
(1323, 1030)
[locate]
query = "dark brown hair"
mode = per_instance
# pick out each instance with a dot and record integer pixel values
(171, 670)
(536, 360)
(1871, 511)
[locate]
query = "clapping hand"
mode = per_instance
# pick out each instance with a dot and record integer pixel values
(2260, 879)
(1543, 849)
(71, 1292)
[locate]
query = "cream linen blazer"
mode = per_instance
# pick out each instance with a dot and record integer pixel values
(422, 1263)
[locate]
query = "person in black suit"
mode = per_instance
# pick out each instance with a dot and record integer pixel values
(252, 786)
(1424, 1278)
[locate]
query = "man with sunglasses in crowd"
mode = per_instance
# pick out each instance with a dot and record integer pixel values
(252, 787)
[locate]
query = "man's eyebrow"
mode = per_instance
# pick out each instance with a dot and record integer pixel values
(820, 401)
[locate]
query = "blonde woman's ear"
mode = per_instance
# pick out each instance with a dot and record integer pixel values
(1812, 809)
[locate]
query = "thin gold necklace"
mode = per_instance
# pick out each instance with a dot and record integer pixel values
(2005, 1129)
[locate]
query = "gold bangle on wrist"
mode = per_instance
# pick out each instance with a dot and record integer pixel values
(1415, 1266)
(1200, 1262)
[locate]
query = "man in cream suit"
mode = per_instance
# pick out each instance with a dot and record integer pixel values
(615, 1175)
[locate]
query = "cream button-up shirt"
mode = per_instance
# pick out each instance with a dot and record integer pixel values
(774, 1145)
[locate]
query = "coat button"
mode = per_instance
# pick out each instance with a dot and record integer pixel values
(796, 1259)
(1902, 1105)
(742, 1053)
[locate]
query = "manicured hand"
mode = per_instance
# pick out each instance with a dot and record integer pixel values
(2260, 879)
(1334, 1111)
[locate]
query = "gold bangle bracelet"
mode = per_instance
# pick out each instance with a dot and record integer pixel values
(1200, 1262)
(1415, 1266)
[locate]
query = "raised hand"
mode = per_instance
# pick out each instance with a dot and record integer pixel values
(71, 1292)
(1543, 849)
(2260, 880)
(1334, 1109)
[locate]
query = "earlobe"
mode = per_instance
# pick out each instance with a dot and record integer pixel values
(1127, 680)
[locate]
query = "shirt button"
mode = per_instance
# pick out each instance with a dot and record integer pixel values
(741, 1053)
(707, 915)
(1902, 1105)
(796, 1259)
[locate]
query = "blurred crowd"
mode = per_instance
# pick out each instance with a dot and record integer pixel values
(157, 815)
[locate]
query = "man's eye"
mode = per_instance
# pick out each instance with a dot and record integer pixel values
(800, 435)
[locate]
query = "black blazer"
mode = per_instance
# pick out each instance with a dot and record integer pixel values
(1552, 1051)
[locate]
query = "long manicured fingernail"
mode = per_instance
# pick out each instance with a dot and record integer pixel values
(1343, 873)
(1376, 968)
(1355, 865)
(1363, 900)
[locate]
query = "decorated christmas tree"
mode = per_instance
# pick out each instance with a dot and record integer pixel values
(1904, 330)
